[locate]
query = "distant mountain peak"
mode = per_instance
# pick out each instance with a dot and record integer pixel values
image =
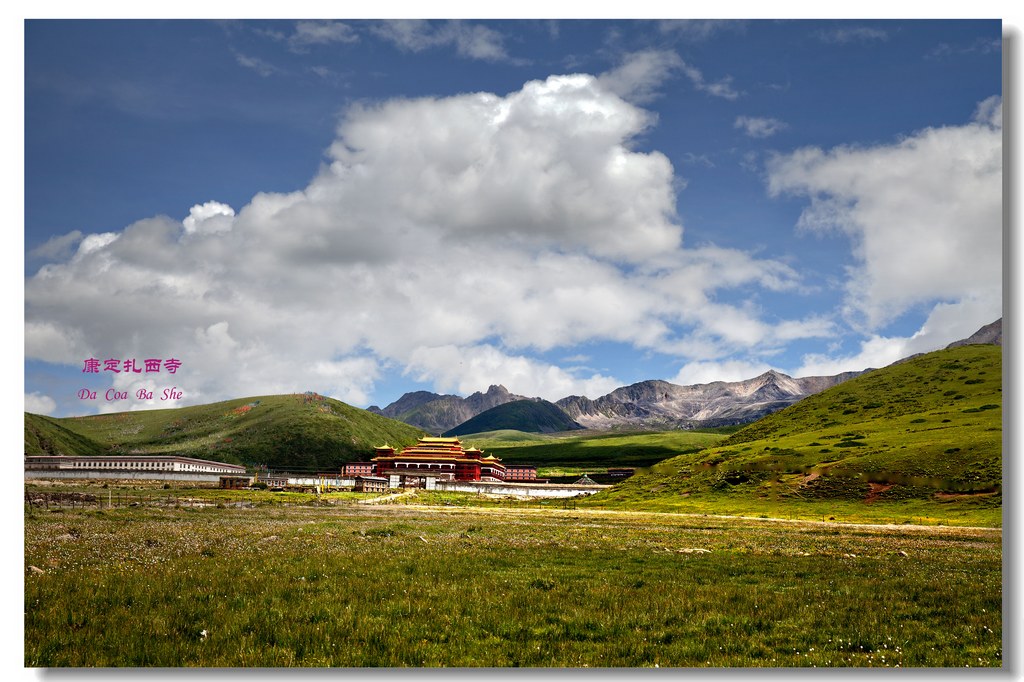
(663, 405)
(531, 416)
(648, 404)
(990, 334)
(436, 413)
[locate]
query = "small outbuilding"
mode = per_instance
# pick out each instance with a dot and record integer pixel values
(235, 482)
(370, 484)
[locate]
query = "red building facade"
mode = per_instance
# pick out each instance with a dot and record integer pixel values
(442, 458)
(353, 469)
(520, 472)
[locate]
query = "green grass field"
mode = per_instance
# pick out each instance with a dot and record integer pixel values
(356, 585)
(860, 527)
(589, 451)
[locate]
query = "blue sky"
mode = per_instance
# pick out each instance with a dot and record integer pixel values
(366, 208)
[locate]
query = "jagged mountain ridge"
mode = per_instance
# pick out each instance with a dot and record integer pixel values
(652, 404)
(660, 404)
(435, 413)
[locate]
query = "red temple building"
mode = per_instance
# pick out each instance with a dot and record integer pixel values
(521, 472)
(353, 469)
(442, 458)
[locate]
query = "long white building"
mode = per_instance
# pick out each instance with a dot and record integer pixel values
(128, 464)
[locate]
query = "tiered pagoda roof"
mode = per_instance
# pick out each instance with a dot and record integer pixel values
(435, 448)
(441, 456)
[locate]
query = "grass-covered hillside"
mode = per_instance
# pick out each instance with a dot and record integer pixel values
(531, 416)
(921, 433)
(46, 436)
(298, 432)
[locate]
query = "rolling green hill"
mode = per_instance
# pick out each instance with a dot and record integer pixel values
(46, 436)
(297, 432)
(531, 416)
(927, 431)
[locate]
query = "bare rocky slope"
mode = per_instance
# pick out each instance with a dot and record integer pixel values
(663, 405)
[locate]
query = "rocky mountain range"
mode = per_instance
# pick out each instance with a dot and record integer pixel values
(435, 413)
(662, 405)
(652, 404)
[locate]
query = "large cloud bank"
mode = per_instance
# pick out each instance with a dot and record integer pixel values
(448, 238)
(924, 216)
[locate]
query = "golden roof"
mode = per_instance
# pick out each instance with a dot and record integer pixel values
(436, 448)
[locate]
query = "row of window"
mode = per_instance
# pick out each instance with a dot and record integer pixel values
(163, 466)
(122, 465)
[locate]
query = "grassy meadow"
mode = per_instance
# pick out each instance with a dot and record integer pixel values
(396, 585)
(919, 441)
(591, 451)
(859, 527)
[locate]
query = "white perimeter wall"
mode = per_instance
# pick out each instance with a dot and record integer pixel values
(516, 489)
(521, 489)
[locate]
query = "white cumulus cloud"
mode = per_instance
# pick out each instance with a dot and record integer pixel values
(706, 372)
(37, 403)
(467, 369)
(450, 238)
(946, 323)
(212, 216)
(924, 216)
(57, 248)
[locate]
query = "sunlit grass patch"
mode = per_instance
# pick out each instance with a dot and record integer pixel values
(409, 586)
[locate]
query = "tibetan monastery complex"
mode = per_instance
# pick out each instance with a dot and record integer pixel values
(439, 458)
